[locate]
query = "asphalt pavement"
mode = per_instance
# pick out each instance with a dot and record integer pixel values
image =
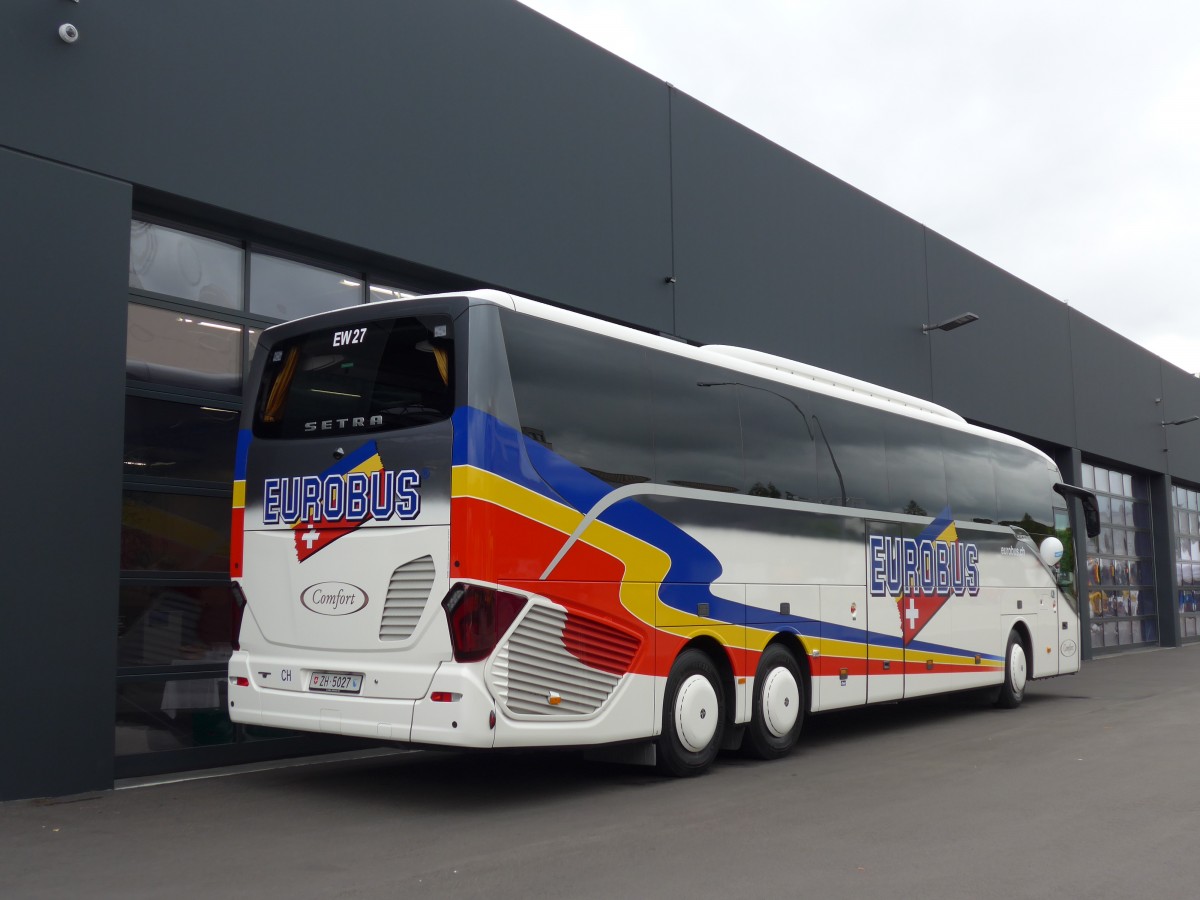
(1090, 789)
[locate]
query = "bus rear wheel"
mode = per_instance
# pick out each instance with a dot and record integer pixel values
(693, 716)
(1016, 673)
(779, 705)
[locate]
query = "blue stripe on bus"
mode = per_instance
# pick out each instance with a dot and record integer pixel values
(245, 435)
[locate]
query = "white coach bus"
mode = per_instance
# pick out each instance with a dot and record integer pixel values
(475, 520)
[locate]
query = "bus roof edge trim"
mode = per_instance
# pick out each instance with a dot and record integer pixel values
(825, 376)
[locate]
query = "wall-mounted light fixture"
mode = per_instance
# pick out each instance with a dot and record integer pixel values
(951, 324)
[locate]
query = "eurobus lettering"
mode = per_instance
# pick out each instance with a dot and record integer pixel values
(934, 567)
(353, 497)
(574, 533)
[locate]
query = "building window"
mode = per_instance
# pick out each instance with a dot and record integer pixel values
(197, 304)
(1120, 569)
(281, 289)
(1186, 502)
(179, 264)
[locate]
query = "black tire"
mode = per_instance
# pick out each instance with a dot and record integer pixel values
(1016, 673)
(779, 705)
(694, 716)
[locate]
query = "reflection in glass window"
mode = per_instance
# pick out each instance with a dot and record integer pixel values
(163, 532)
(282, 289)
(167, 261)
(179, 440)
(172, 349)
(916, 469)
(171, 624)
(153, 716)
(851, 464)
(697, 431)
(970, 482)
(1023, 490)
(779, 443)
(379, 292)
(584, 396)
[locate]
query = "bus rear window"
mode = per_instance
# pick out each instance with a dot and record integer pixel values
(376, 376)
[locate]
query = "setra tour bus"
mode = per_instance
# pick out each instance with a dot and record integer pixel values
(475, 520)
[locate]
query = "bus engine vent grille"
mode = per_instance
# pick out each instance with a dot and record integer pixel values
(536, 674)
(407, 596)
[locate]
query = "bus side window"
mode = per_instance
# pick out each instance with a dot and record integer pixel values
(850, 454)
(697, 430)
(582, 395)
(778, 441)
(916, 468)
(970, 482)
(1023, 490)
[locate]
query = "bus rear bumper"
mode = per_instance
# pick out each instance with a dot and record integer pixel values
(462, 715)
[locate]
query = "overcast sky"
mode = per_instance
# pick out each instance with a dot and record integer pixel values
(1058, 139)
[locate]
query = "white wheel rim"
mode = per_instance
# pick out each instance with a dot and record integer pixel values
(1016, 666)
(780, 701)
(696, 713)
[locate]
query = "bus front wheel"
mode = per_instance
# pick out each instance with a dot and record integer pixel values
(693, 716)
(778, 712)
(1016, 673)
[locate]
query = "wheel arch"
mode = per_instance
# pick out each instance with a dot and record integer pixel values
(1025, 635)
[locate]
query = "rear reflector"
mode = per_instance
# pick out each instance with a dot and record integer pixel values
(445, 697)
(240, 681)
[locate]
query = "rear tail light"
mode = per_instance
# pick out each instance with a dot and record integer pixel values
(478, 617)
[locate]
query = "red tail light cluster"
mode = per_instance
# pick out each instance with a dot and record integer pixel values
(478, 617)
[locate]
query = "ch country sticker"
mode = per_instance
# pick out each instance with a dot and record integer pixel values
(922, 573)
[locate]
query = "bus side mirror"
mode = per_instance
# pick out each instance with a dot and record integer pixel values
(1091, 515)
(1091, 509)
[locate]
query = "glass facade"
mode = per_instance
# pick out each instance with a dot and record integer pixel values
(1186, 503)
(1120, 565)
(196, 307)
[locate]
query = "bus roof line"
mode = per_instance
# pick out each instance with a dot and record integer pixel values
(835, 379)
(725, 354)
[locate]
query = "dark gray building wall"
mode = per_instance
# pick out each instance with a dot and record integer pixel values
(773, 253)
(472, 136)
(1116, 386)
(1012, 368)
(63, 250)
(1181, 400)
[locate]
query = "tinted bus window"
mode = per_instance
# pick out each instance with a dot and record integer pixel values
(851, 468)
(582, 395)
(1023, 489)
(395, 373)
(697, 431)
(970, 482)
(915, 467)
(778, 442)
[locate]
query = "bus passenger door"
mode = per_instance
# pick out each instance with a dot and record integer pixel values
(885, 640)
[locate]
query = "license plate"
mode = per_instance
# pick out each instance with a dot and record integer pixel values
(335, 682)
